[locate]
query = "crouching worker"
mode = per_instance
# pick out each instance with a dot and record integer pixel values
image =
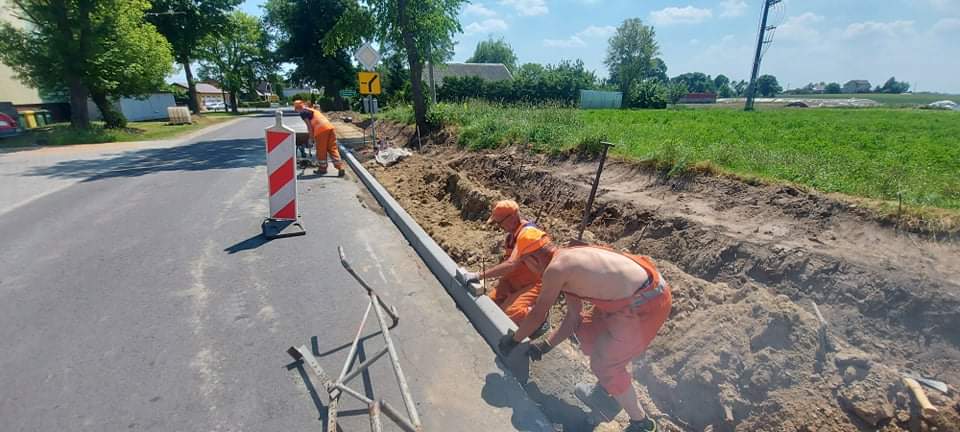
(518, 287)
(322, 134)
(631, 301)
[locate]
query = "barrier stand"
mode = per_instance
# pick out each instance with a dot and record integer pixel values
(336, 388)
(282, 182)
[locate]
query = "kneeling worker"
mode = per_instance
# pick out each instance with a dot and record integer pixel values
(518, 287)
(631, 301)
(322, 133)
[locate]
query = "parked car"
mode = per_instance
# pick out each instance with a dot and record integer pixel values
(215, 106)
(8, 126)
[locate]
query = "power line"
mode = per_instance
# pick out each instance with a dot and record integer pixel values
(764, 39)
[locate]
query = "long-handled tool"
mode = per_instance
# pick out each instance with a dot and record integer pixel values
(593, 190)
(410, 423)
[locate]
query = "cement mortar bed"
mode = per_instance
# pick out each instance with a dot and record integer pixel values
(741, 348)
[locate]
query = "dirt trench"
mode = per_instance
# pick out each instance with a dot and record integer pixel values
(741, 349)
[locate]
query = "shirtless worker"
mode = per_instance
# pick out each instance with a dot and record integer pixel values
(518, 287)
(631, 301)
(322, 133)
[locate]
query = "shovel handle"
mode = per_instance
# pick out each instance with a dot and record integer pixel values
(926, 408)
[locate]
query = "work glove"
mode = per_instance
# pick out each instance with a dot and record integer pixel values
(469, 276)
(507, 343)
(538, 348)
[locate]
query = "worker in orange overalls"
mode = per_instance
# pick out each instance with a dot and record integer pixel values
(322, 134)
(631, 301)
(518, 287)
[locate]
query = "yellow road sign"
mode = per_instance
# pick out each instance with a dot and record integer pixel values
(369, 83)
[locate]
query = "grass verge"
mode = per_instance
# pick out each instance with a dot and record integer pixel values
(879, 154)
(63, 134)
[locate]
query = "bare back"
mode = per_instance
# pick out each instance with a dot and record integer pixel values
(596, 273)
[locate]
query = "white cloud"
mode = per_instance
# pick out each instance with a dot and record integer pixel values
(892, 28)
(947, 25)
(677, 15)
(527, 7)
(694, 41)
(800, 28)
(570, 42)
(597, 31)
(732, 8)
(485, 26)
(478, 10)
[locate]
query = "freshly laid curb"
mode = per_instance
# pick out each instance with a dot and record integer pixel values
(485, 315)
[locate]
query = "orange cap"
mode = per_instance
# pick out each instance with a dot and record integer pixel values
(503, 209)
(298, 105)
(530, 241)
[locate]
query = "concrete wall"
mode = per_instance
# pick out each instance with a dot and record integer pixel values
(153, 107)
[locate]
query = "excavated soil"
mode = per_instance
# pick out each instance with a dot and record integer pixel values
(741, 350)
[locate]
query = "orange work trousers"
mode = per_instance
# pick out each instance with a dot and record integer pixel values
(515, 302)
(326, 141)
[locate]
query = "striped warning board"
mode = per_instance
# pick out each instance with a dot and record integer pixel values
(282, 171)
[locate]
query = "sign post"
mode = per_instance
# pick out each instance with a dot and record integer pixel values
(284, 219)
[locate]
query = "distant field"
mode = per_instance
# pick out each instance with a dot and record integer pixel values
(870, 153)
(887, 99)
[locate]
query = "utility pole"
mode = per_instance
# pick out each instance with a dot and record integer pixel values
(761, 41)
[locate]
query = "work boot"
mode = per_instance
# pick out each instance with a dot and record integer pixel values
(599, 401)
(542, 330)
(321, 171)
(341, 172)
(645, 425)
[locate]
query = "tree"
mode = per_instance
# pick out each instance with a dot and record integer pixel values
(95, 49)
(394, 75)
(768, 86)
(676, 91)
(721, 81)
(299, 29)
(649, 94)
(423, 28)
(236, 58)
(631, 54)
(185, 23)
(833, 88)
(894, 86)
(740, 87)
(494, 51)
(696, 82)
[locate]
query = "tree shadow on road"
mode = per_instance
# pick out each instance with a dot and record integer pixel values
(201, 156)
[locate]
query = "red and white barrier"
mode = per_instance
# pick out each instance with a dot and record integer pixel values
(282, 171)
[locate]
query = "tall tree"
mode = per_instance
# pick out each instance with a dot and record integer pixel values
(768, 86)
(185, 23)
(696, 82)
(631, 53)
(494, 51)
(894, 86)
(299, 29)
(87, 48)
(423, 28)
(235, 58)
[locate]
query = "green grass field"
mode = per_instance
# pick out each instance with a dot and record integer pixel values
(873, 153)
(893, 100)
(63, 134)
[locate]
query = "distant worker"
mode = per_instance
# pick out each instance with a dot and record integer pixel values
(631, 301)
(321, 132)
(518, 287)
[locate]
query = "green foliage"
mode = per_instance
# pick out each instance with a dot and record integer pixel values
(494, 51)
(767, 86)
(649, 94)
(676, 91)
(740, 87)
(833, 88)
(696, 82)
(833, 150)
(632, 54)
(559, 83)
(894, 86)
(101, 48)
(299, 29)
(236, 58)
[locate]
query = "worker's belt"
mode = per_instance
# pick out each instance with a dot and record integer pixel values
(644, 295)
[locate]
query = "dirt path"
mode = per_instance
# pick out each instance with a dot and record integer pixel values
(741, 349)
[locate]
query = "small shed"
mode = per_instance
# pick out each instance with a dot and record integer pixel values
(485, 71)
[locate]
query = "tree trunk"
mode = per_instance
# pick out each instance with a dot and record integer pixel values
(233, 102)
(112, 118)
(191, 87)
(79, 115)
(416, 67)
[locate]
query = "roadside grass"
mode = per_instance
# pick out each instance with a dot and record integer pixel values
(63, 134)
(880, 154)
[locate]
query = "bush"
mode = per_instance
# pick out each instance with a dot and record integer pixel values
(255, 104)
(648, 94)
(532, 84)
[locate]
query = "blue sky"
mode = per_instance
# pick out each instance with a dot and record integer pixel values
(816, 40)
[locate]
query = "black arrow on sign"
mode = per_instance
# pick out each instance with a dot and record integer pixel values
(370, 83)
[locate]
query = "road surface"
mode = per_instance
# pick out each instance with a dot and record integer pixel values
(137, 294)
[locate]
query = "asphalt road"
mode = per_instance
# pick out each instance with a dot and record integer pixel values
(137, 294)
